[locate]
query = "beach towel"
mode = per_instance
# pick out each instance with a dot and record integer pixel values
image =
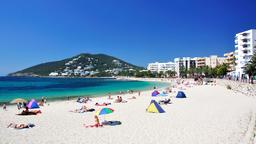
(111, 123)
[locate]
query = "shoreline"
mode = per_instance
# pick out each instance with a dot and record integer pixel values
(65, 98)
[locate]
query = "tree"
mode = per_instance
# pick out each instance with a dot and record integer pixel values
(170, 73)
(250, 68)
(191, 72)
(183, 72)
(198, 71)
(222, 70)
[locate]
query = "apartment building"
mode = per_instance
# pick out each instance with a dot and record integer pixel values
(161, 67)
(229, 60)
(245, 47)
(184, 63)
(213, 61)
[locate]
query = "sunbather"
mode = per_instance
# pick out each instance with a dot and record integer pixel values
(97, 123)
(27, 112)
(83, 100)
(103, 104)
(166, 101)
(120, 100)
(20, 126)
(82, 110)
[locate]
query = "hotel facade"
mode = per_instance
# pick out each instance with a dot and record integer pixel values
(245, 47)
(184, 63)
(196, 62)
(229, 60)
(161, 67)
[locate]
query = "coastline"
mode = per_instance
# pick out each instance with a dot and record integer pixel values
(100, 94)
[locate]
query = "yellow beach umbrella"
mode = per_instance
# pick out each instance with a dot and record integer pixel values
(18, 100)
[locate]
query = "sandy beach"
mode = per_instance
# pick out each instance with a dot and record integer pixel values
(209, 115)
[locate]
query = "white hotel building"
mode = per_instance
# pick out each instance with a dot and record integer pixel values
(245, 47)
(158, 67)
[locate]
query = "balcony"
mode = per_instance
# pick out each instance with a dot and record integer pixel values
(245, 45)
(245, 34)
(245, 40)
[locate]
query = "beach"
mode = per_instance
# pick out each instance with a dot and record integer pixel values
(209, 115)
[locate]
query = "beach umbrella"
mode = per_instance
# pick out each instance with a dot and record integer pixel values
(18, 100)
(104, 111)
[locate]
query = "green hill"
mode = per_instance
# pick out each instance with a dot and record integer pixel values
(81, 65)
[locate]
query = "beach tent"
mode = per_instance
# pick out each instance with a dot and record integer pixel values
(181, 94)
(154, 107)
(155, 93)
(32, 104)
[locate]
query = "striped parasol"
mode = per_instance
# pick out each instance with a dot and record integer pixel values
(18, 100)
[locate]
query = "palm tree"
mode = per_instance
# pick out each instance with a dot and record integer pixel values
(250, 68)
(170, 73)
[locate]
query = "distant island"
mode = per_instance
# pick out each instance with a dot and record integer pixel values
(82, 65)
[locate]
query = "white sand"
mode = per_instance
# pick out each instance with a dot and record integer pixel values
(210, 115)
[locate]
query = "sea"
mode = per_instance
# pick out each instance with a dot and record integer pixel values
(63, 88)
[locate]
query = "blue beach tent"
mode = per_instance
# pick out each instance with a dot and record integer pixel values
(155, 93)
(181, 94)
(32, 104)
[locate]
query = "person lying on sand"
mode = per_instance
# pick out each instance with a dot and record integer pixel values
(166, 101)
(82, 110)
(97, 123)
(103, 104)
(83, 100)
(27, 112)
(20, 126)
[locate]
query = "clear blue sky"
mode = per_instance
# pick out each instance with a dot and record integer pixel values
(138, 31)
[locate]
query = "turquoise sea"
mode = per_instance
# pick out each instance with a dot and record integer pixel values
(59, 88)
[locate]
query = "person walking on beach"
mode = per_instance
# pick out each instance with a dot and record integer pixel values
(4, 107)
